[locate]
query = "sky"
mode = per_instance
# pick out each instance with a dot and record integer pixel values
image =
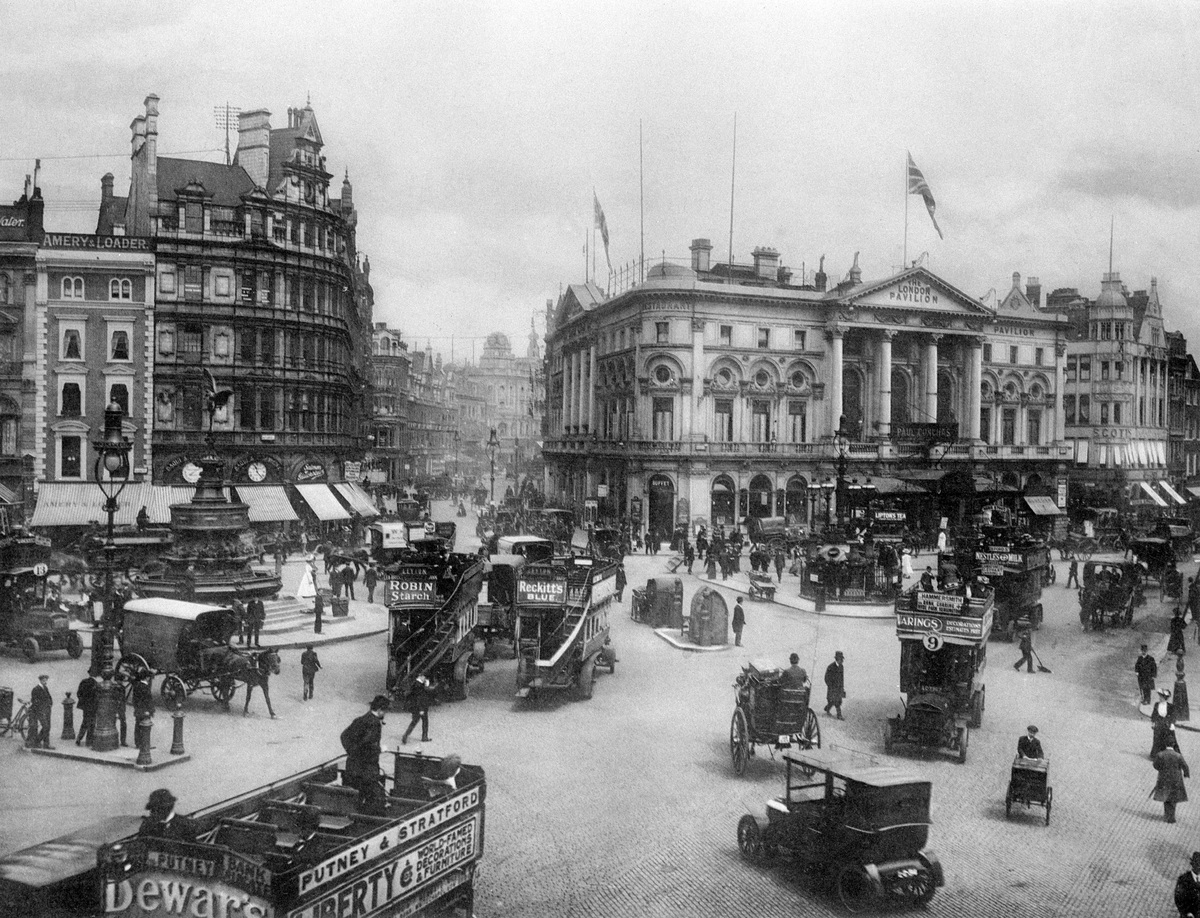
(476, 134)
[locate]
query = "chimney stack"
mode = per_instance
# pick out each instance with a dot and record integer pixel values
(1033, 291)
(701, 253)
(766, 263)
(820, 279)
(254, 145)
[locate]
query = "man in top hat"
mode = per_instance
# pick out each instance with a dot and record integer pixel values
(1187, 890)
(361, 740)
(1147, 671)
(423, 694)
(163, 821)
(1029, 746)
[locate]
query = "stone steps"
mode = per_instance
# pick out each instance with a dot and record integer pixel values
(291, 614)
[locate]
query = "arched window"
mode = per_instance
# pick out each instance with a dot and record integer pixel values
(120, 288)
(72, 288)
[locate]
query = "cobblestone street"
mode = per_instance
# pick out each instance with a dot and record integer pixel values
(627, 804)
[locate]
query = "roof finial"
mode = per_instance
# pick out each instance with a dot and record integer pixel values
(308, 100)
(1111, 226)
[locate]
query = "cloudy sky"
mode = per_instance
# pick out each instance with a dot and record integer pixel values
(475, 133)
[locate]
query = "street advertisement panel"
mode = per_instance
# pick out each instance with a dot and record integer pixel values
(541, 591)
(443, 857)
(951, 628)
(410, 590)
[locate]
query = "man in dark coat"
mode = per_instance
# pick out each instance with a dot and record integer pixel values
(1177, 642)
(1147, 671)
(739, 622)
(423, 694)
(318, 612)
(1187, 890)
(370, 581)
(163, 821)
(1026, 651)
(926, 584)
(143, 707)
(835, 684)
(780, 563)
(309, 664)
(40, 706)
(1169, 789)
(349, 575)
(256, 614)
(621, 582)
(1072, 575)
(361, 740)
(794, 677)
(239, 615)
(1193, 598)
(1029, 746)
(86, 701)
(689, 555)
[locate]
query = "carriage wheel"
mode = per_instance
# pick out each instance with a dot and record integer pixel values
(964, 734)
(222, 689)
(976, 710)
(460, 677)
(173, 691)
(1049, 800)
(739, 742)
(750, 838)
(587, 679)
(854, 889)
(133, 665)
(30, 648)
(74, 645)
(809, 737)
(1008, 801)
(1086, 549)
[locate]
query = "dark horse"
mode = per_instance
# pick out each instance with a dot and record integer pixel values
(253, 669)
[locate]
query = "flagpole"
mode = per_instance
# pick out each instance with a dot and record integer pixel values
(642, 200)
(732, 186)
(904, 258)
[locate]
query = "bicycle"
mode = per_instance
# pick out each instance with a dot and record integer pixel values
(18, 723)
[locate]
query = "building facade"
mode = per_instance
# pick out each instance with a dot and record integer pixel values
(1116, 399)
(391, 368)
(258, 282)
(709, 393)
(20, 236)
(1183, 413)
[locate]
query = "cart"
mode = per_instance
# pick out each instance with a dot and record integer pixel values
(1029, 785)
(1075, 546)
(1110, 591)
(768, 714)
(761, 586)
(1159, 557)
(187, 644)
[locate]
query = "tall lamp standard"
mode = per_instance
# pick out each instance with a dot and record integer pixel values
(841, 443)
(492, 445)
(111, 472)
(517, 470)
(456, 439)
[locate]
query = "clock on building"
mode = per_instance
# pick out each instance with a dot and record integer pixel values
(191, 473)
(256, 471)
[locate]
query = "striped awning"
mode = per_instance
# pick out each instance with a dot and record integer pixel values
(7, 495)
(1171, 492)
(77, 503)
(267, 503)
(1044, 506)
(322, 502)
(1152, 494)
(358, 499)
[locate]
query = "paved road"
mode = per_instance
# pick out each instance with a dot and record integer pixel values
(627, 805)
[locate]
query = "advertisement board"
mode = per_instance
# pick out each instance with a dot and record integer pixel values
(539, 591)
(410, 591)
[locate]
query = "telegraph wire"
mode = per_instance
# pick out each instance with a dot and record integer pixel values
(122, 155)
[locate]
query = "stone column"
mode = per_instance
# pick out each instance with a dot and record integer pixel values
(591, 389)
(699, 425)
(576, 390)
(835, 380)
(931, 377)
(885, 384)
(1058, 430)
(975, 381)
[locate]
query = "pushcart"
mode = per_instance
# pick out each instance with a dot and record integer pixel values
(1030, 785)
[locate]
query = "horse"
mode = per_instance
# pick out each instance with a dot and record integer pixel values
(253, 669)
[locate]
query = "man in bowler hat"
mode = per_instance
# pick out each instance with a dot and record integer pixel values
(163, 821)
(423, 694)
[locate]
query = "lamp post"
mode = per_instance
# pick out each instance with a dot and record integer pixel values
(517, 469)
(111, 472)
(827, 487)
(456, 439)
(492, 445)
(843, 450)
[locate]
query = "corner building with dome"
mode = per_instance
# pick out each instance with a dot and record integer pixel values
(709, 393)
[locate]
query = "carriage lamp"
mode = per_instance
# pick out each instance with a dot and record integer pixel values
(111, 472)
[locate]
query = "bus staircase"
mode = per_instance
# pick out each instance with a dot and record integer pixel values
(428, 650)
(563, 638)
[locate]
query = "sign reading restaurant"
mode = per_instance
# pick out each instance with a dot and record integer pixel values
(108, 243)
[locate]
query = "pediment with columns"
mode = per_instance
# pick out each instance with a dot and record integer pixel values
(919, 291)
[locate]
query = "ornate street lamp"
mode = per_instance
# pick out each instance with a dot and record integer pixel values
(517, 470)
(111, 472)
(842, 445)
(827, 486)
(492, 445)
(456, 439)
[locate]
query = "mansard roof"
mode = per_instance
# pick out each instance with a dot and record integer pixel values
(226, 184)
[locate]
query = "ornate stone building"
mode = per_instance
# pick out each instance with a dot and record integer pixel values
(259, 282)
(511, 386)
(392, 368)
(713, 392)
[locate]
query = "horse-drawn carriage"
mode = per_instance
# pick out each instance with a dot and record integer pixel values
(1112, 591)
(187, 644)
(1158, 555)
(770, 714)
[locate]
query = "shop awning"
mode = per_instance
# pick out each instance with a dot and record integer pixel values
(1152, 494)
(1194, 491)
(1171, 492)
(322, 502)
(159, 498)
(1081, 452)
(77, 503)
(358, 499)
(896, 486)
(1044, 506)
(267, 503)
(921, 474)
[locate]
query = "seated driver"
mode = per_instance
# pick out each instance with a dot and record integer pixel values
(794, 677)
(1029, 746)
